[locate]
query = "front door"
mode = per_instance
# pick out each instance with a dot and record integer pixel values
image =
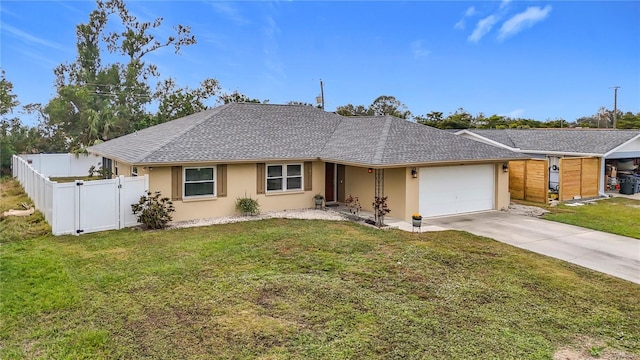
(334, 179)
(330, 182)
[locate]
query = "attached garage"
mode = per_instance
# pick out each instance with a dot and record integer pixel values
(450, 190)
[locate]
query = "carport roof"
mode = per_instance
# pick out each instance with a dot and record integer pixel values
(583, 141)
(263, 132)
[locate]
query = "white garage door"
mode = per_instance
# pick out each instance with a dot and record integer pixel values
(449, 190)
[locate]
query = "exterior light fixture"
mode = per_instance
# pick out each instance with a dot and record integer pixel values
(414, 173)
(370, 170)
(505, 167)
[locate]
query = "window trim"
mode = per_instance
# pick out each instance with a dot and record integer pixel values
(185, 182)
(284, 178)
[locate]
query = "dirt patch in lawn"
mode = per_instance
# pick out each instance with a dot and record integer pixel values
(591, 349)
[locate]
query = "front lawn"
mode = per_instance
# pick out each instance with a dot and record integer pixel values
(301, 289)
(615, 215)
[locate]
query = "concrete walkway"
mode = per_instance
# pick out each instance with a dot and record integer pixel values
(611, 254)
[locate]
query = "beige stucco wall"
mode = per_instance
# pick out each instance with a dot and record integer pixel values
(125, 169)
(401, 189)
(360, 183)
(412, 196)
(241, 182)
(503, 198)
(395, 181)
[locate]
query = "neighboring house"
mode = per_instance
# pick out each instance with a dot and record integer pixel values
(609, 148)
(285, 154)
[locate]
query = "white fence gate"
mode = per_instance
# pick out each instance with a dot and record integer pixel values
(82, 206)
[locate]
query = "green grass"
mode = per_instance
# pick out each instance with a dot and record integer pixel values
(17, 228)
(62, 179)
(302, 289)
(615, 215)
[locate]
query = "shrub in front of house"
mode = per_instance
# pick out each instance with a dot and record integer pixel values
(153, 211)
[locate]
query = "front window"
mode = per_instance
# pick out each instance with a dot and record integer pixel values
(284, 177)
(199, 182)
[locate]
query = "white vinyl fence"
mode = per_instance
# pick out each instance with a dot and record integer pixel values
(60, 165)
(81, 206)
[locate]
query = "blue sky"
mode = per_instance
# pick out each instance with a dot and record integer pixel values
(531, 59)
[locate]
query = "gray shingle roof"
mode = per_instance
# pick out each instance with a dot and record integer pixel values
(250, 132)
(585, 141)
(389, 140)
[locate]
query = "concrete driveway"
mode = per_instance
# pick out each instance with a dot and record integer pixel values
(611, 254)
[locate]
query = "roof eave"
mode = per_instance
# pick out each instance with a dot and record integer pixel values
(544, 152)
(486, 140)
(428, 163)
(621, 145)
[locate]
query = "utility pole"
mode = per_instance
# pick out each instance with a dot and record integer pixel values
(321, 95)
(615, 104)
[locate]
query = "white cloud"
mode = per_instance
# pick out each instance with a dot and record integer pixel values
(460, 25)
(514, 114)
(523, 20)
(229, 11)
(504, 4)
(275, 67)
(26, 37)
(470, 11)
(482, 28)
(418, 49)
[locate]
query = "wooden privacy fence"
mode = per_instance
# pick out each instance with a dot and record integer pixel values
(81, 206)
(529, 180)
(579, 177)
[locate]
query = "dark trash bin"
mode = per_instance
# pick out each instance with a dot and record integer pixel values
(627, 184)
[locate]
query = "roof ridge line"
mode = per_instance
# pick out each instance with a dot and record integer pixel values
(183, 131)
(341, 118)
(382, 142)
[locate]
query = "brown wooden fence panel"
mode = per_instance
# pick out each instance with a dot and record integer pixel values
(517, 178)
(537, 181)
(579, 177)
(529, 180)
(570, 178)
(590, 177)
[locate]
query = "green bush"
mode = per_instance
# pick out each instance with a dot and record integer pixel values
(153, 211)
(247, 206)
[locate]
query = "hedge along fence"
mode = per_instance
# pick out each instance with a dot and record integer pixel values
(81, 206)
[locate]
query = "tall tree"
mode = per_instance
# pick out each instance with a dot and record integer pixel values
(97, 101)
(15, 138)
(433, 119)
(237, 97)
(382, 105)
(8, 100)
(177, 102)
(389, 105)
(461, 119)
(629, 120)
(353, 110)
